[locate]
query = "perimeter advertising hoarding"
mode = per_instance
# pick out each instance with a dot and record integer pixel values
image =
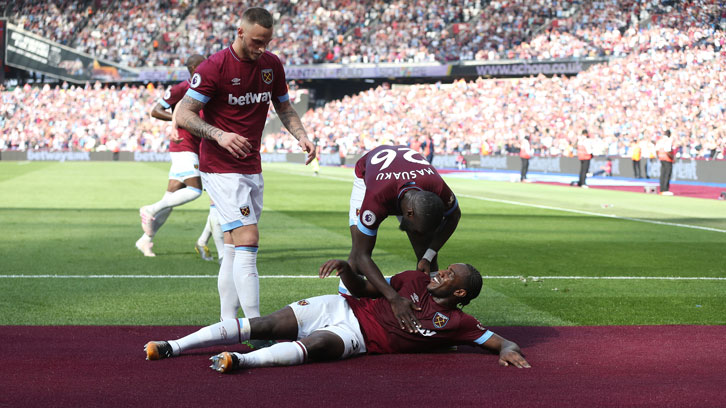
(512, 68)
(34, 53)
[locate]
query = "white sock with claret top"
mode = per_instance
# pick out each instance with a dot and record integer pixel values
(228, 298)
(246, 280)
(231, 331)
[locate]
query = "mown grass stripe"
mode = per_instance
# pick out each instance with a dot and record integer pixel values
(547, 207)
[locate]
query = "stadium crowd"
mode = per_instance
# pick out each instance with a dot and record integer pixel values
(670, 72)
(139, 33)
(629, 100)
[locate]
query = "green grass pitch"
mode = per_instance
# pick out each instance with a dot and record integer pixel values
(551, 255)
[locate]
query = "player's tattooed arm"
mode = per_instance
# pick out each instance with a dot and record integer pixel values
(289, 117)
(187, 117)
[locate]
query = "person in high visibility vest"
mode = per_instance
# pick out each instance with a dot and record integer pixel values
(525, 153)
(584, 154)
(666, 153)
(635, 155)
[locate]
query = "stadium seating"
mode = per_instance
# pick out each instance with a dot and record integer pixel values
(670, 73)
(163, 32)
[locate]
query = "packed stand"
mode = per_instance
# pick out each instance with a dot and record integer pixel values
(619, 28)
(137, 33)
(56, 20)
(89, 118)
(627, 101)
(128, 31)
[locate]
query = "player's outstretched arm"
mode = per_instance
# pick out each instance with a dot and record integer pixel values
(186, 116)
(509, 352)
(356, 284)
(289, 117)
(361, 262)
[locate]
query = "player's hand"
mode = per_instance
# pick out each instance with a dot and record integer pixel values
(507, 357)
(238, 145)
(424, 266)
(308, 147)
(175, 137)
(403, 311)
(337, 265)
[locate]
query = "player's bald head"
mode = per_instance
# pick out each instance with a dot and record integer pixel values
(423, 212)
(257, 15)
(428, 210)
(193, 62)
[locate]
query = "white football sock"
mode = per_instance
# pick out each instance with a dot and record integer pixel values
(228, 298)
(179, 197)
(246, 280)
(280, 354)
(217, 233)
(206, 233)
(231, 331)
(160, 219)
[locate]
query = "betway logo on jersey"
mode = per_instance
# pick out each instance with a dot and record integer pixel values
(403, 175)
(248, 98)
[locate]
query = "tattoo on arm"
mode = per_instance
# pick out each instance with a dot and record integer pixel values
(290, 119)
(188, 118)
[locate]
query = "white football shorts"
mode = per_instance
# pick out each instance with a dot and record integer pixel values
(184, 165)
(238, 197)
(331, 313)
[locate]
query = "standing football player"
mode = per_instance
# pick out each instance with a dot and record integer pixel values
(185, 183)
(235, 87)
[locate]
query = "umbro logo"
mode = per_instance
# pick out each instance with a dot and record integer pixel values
(236, 81)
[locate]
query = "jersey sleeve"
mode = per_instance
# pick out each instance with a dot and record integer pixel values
(398, 280)
(370, 217)
(164, 101)
(449, 199)
(203, 84)
(173, 95)
(472, 331)
(279, 89)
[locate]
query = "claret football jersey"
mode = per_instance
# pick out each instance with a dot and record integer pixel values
(388, 172)
(237, 95)
(173, 95)
(440, 326)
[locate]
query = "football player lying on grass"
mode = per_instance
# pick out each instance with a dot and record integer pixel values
(335, 327)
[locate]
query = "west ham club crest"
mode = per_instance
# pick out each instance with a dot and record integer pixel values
(267, 76)
(440, 320)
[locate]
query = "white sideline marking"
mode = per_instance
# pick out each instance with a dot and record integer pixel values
(530, 278)
(547, 207)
